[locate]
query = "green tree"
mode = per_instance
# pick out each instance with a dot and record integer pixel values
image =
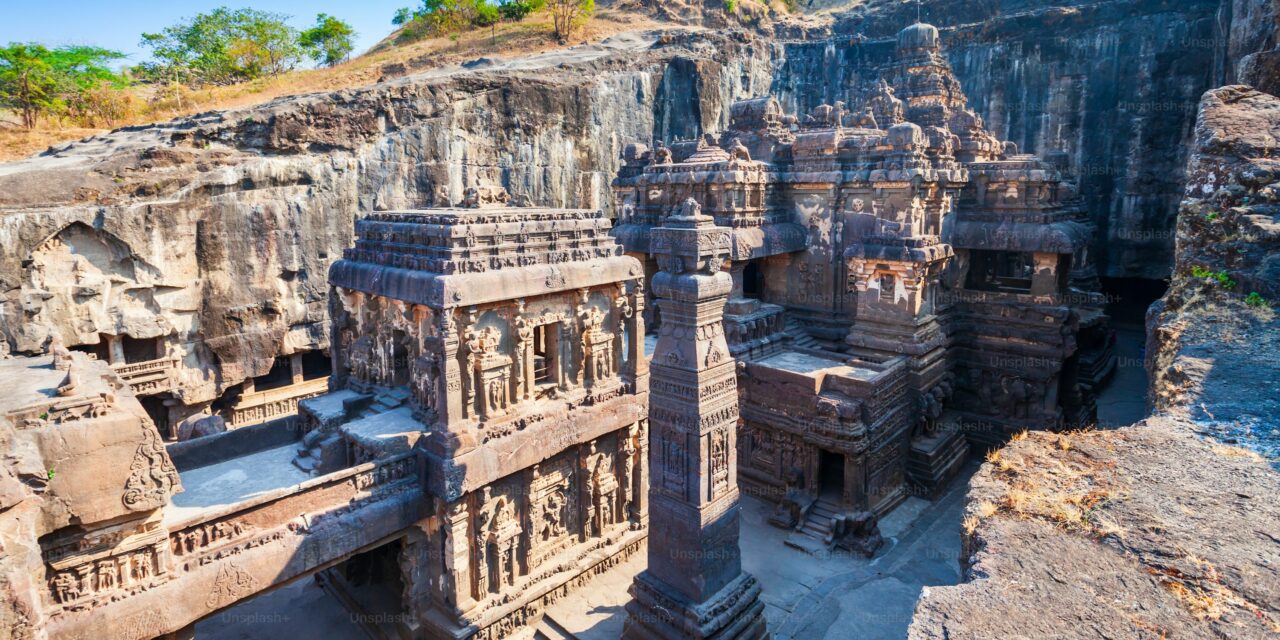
(486, 15)
(28, 82)
(517, 10)
(222, 47)
(37, 81)
(330, 41)
(264, 43)
(567, 15)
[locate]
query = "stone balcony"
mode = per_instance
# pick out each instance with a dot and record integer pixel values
(149, 377)
(270, 404)
(754, 329)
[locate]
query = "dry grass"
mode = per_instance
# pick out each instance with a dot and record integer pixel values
(532, 36)
(1199, 588)
(1066, 483)
(1050, 485)
(1227, 451)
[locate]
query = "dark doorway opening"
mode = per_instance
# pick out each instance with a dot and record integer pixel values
(141, 349)
(831, 474)
(158, 411)
(315, 364)
(752, 281)
(280, 375)
(369, 586)
(1129, 298)
(100, 351)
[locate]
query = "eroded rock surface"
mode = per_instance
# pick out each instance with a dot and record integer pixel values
(1159, 529)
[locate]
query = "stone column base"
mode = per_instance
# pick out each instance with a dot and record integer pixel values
(934, 460)
(657, 613)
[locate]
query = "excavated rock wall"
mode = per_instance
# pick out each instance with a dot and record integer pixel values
(215, 232)
(1160, 529)
(219, 229)
(1112, 84)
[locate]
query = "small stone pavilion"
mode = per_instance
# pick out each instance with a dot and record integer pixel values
(905, 284)
(506, 346)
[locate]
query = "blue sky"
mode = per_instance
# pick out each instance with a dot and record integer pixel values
(119, 24)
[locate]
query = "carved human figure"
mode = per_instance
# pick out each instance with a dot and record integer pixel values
(66, 587)
(108, 574)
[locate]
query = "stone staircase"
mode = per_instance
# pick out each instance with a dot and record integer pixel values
(814, 533)
(801, 338)
(311, 447)
(549, 629)
(384, 400)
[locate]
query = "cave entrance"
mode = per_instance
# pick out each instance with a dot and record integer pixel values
(137, 350)
(157, 408)
(752, 281)
(370, 586)
(830, 475)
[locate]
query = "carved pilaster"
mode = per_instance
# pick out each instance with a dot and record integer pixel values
(457, 556)
(694, 586)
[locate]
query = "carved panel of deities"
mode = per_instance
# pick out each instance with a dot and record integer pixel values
(83, 580)
(553, 508)
(674, 453)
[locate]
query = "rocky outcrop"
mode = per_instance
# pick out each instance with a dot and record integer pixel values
(211, 234)
(214, 233)
(1161, 529)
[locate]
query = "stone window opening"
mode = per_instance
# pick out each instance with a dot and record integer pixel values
(315, 364)
(1005, 271)
(141, 349)
(546, 351)
(280, 375)
(887, 287)
(752, 281)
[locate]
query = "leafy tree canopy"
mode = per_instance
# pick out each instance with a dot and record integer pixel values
(223, 46)
(329, 42)
(36, 81)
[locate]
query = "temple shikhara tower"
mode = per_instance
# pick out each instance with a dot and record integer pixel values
(905, 285)
(694, 586)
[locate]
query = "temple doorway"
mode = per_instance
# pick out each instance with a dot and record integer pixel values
(830, 474)
(752, 281)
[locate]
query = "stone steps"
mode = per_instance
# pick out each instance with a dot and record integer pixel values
(799, 337)
(813, 533)
(549, 629)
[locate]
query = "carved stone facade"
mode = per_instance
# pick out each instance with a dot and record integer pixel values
(903, 282)
(505, 346)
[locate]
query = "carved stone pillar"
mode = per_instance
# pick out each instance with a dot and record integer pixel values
(695, 565)
(457, 556)
(451, 409)
(115, 349)
(523, 368)
(638, 365)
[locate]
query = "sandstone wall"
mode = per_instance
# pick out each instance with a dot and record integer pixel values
(1160, 529)
(218, 230)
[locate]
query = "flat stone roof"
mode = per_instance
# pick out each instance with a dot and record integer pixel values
(388, 432)
(235, 480)
(816, 366)
(32, 381)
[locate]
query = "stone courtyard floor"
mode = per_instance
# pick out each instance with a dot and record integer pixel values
(806, 596)
(835, 596)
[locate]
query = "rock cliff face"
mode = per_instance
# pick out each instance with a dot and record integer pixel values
(1158, 529)
(213, 234)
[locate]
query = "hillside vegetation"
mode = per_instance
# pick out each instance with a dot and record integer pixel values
(411, 47)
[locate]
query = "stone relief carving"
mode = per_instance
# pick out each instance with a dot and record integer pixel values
(152, 476)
